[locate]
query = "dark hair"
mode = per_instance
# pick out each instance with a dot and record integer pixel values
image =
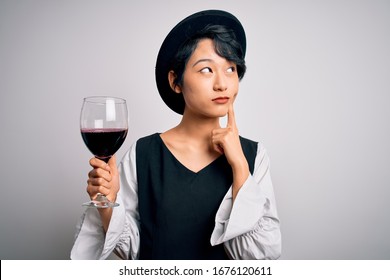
(225, 44)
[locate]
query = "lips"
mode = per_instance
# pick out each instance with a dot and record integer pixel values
(221, 100)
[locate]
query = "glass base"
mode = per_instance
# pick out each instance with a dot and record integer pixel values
(101, 201)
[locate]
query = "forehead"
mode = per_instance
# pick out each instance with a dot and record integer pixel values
(205, 49)
(205, 45)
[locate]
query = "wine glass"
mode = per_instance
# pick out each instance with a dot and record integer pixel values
(103, 125)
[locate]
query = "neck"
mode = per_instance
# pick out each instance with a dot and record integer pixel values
(197, 127)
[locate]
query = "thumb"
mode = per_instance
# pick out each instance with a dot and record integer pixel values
(112, 163)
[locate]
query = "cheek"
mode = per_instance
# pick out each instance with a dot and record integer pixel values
(235, 89)
(194, 88)
(189, 94)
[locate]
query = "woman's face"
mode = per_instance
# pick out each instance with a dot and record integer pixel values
(210, 82)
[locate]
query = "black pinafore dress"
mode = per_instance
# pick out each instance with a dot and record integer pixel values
(177, 206)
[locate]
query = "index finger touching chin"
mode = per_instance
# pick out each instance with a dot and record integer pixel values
(231, 121)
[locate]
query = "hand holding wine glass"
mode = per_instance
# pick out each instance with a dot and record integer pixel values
(103, 179)
(104, 126)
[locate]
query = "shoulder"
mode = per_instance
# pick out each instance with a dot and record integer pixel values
(147, 142)
(249, 145)
(250, 149)
(148, 138)
(248, 141)
(253, 145)
(140, 146)
(148, 146)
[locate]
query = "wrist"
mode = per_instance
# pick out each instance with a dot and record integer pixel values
(112, 198)
(240, 175)
(240, 165)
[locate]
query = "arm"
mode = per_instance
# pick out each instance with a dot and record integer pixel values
(249, 228)
(98, 235)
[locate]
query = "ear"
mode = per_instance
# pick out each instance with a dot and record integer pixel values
(171, 78)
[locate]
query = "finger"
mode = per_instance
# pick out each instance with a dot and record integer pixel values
(231, 120)
(112, 164)
(218, 148)
(93, 191)
(98, 163)
(100, 173)
(216, 143)
(218, 131)
(98, 182)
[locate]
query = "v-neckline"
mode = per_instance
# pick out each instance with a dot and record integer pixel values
(183, 165)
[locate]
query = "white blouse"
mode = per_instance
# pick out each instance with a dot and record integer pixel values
(249, 228)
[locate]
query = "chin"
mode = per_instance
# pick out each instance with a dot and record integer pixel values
(221, 115)
(219, 112)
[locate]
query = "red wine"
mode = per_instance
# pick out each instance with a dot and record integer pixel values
(104, 142)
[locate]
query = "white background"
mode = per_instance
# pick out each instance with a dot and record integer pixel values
(316, 94)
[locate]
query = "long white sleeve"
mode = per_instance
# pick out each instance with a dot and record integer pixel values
(123, 234)
(249, 228)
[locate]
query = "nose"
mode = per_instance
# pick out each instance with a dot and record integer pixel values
(220, 83)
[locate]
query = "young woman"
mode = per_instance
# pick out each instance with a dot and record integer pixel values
(198, 190)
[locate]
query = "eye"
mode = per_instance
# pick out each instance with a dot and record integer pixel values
(206, 70)
(231, 69)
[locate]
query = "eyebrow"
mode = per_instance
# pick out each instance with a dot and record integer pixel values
(202, 60)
